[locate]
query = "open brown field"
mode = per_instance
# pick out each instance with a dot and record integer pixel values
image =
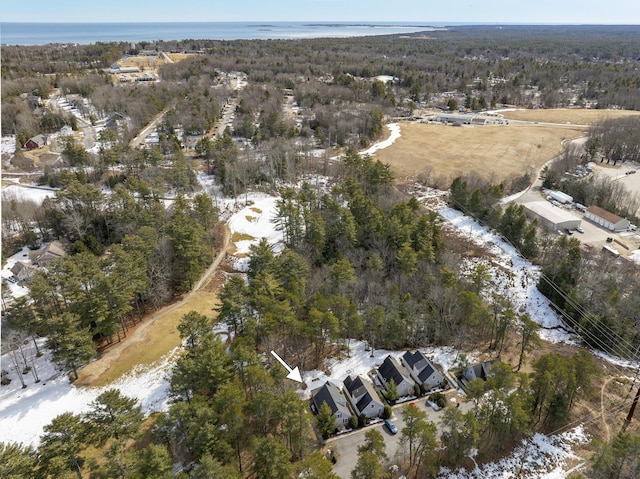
(564, 115)
(497, 152)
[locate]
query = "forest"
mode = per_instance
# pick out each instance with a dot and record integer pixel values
(361, 259)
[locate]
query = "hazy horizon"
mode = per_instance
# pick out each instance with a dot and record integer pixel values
(489, 12)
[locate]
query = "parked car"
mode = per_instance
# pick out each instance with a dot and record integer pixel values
(609, 239)
(579, 229)
(390, 426)
(568, 231)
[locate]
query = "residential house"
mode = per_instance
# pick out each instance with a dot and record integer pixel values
(23, 271)
(53, 250)
(480, 370)
(363, 396)
(392, 369)
(36, 142)
(334, 398)
(422, 371)
(66, 130)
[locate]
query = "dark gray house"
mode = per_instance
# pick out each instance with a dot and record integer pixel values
(392, 369)
(480, 370)
(334, 398)
(422, 370)
(363, 396)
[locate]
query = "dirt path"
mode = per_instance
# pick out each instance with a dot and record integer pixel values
(146, 131)
(156, 335)
(603, 410)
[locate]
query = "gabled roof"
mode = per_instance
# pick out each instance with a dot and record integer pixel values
(51, 251)
(391, 369)
(334, 398)
(415, 360)
(482, 370)
(20, 266)
(360, 388)
(40, 140)
(604, 214)
(426, 372)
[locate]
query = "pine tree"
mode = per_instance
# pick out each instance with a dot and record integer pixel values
(325, 420)
(114, 415)
(61, 444)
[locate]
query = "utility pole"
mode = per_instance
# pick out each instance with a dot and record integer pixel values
(627, 421)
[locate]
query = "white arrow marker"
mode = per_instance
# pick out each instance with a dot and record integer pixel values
(293, 373)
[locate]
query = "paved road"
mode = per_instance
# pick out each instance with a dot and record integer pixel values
(346, 446)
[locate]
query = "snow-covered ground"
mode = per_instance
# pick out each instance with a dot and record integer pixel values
(252, 223)
(360, 362)
(513, 276)
(27, 193)
(24, 412)
(15, 289)
(539, 457)
(394, 128)
(8, 145)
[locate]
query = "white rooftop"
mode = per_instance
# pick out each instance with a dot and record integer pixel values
(550, 212)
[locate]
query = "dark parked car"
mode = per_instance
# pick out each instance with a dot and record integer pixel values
(390, 426)
(609, 239)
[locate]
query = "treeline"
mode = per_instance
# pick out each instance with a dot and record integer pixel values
(479, 199)
(231, 417)
(127, 253)
(508, 407)
(595, 296)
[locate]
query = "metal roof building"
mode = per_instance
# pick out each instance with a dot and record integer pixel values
(551, 217)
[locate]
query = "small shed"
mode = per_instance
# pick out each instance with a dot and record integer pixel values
(607, 220)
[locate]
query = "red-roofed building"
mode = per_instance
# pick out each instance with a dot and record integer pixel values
(606, 219)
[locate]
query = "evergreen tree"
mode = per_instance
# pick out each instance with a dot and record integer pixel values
(17, 461)
(61, 445)
(271, 459)
(114, 415)
(73, 343)
(326, 421)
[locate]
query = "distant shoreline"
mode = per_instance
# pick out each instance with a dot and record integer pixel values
(38, 33)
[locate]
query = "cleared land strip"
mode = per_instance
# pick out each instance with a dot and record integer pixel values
(157, 335)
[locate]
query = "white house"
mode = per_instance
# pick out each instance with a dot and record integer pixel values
(607, 220)
(391, 369)
(363, 396)
(421, 369)
(337, 402)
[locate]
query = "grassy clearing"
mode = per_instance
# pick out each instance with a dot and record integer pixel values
(495, 152)
(241, 237)
(256, 210)
(156, 340)
(575, 116)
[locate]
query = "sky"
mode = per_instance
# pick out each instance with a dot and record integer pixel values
(477, 11)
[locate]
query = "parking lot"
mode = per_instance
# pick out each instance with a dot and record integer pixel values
(345, 447)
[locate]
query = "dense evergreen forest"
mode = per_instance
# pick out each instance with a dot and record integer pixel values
(361, 259)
